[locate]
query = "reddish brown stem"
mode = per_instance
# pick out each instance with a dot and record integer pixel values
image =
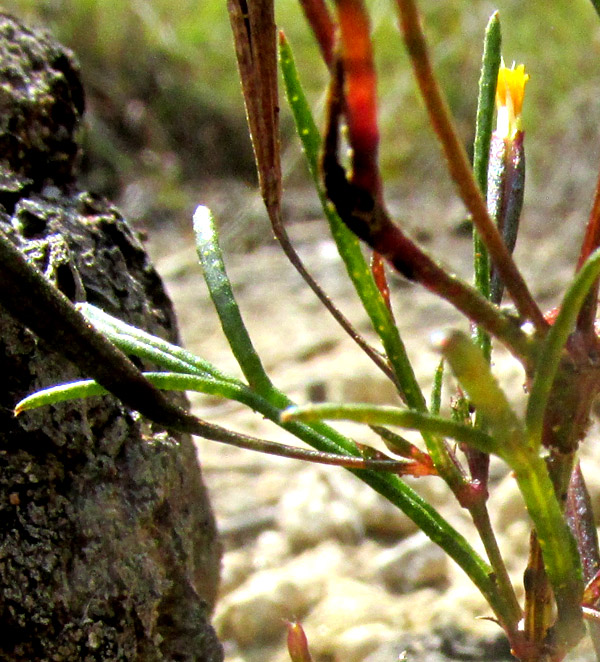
(360, 94)
(591, 241)
(323, 27)
(460, 168)
(370, 222)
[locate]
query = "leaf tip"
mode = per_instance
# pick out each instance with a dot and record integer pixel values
(288, 414)
(20, 407)
(440, 340)
(202, 219)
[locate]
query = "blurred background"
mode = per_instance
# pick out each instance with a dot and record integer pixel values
(165, 120)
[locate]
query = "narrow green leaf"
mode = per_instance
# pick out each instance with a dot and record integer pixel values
(135, 342)
(166, 381)
(85, 388)
(490, 65)
(398, 444)
(211, 260)
(436, 390)
(551, 352)
(483, 133)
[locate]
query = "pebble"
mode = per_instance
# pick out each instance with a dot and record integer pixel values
(413, 563)
(317, 507)
(356, 643)
(257, 610)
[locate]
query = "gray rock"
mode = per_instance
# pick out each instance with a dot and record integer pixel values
(108, 548)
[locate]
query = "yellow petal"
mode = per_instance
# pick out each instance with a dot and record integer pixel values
(510, 91)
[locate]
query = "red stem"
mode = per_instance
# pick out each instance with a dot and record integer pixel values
(360, 94)
(591, 241)
(323, 27)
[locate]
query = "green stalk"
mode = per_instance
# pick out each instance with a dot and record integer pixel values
(559, 549)
(436, 390)
(379, 415)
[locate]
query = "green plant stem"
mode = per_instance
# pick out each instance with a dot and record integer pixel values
(481, 265)
(559, 549)
(460, 168)
(380, 415)
(481, 519)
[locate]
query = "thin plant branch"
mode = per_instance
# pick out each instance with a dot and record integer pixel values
(323, 27)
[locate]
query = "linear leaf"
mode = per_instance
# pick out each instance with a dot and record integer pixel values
(215, 275)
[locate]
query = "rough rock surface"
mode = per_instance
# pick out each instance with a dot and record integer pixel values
(108, 548)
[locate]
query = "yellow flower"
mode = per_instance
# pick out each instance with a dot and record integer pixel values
(510, 91)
